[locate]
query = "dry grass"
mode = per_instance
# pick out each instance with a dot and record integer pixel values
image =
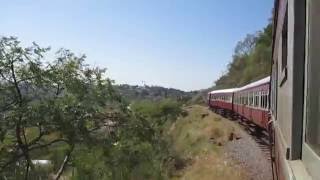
(199, 138)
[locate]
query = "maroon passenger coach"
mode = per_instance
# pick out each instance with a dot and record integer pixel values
(250, 101)
(221, 99)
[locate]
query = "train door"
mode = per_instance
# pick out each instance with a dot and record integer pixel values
(311, 138)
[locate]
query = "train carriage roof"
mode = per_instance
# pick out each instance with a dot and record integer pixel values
(223, 91)
(255, 84)
(248, 86)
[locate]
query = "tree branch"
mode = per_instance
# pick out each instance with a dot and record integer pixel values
(64, 164)
(18, 156)
(48, 144)
(21, 145)
(35, 140)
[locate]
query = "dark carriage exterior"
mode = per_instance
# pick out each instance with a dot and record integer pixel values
(295, 84)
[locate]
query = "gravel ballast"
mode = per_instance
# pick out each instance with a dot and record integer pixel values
(251, 155)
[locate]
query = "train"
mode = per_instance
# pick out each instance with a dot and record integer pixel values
(287, 103)
(249, 101)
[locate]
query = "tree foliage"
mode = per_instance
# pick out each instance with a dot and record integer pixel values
(68, 113)
(65, 97)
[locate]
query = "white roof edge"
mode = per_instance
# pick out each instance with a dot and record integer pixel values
(256, 83)
(224, 91)
(250, 85)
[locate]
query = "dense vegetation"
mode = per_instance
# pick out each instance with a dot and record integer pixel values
(251, 60)
(68, 113)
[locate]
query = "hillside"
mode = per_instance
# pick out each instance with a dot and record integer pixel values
(152, 93)
(251, 61)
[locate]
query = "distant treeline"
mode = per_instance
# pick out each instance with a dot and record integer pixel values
(155, 93)
(251, 60)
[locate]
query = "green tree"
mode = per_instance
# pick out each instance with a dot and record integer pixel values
(67, 112)
(43, 105)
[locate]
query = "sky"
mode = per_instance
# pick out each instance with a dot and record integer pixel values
(183, 44)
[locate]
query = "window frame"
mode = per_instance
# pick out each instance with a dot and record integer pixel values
(309, 157)
(284, 69)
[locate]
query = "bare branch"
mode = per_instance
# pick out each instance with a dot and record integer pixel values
(64, 164)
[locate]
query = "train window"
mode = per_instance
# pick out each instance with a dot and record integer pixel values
(284, 42)
(312, 133)
(242, 99)
(246, 99)
(284, 50)
(274, 91)
(263, 100)
(256, 99)
(267, 100)
(253, 98)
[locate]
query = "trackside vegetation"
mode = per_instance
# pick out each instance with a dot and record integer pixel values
(62, 119)
(197, 143)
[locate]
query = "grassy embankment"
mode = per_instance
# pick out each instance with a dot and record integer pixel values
(198, 140)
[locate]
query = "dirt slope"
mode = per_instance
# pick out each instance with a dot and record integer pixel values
(199, 140)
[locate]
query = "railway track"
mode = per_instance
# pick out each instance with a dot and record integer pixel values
(260, 136)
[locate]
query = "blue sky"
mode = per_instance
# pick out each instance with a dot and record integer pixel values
(184, 44)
